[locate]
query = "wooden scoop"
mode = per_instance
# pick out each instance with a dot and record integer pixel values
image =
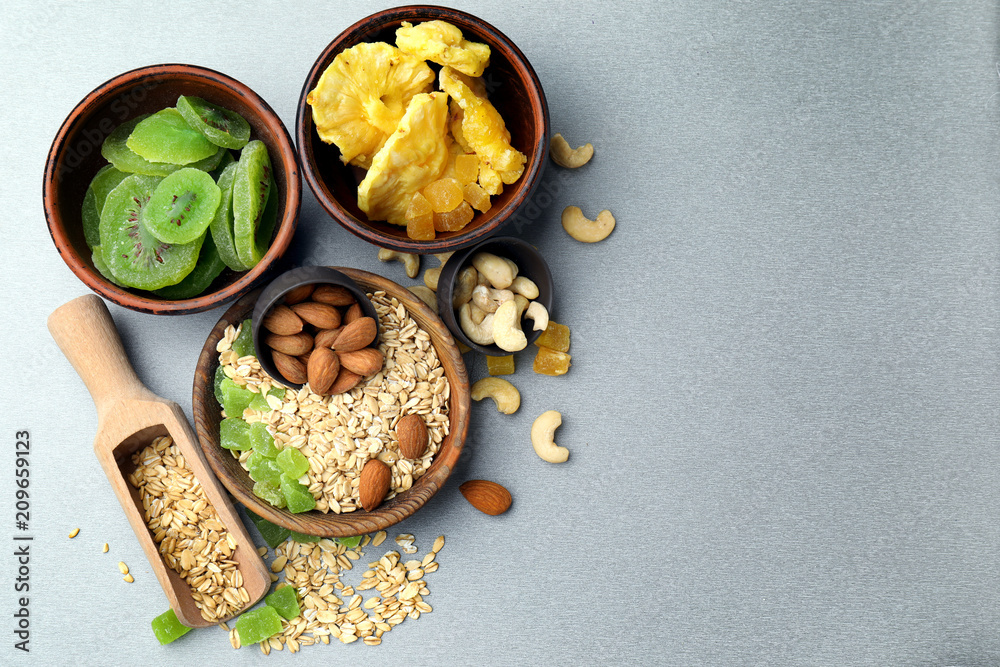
(130, 417)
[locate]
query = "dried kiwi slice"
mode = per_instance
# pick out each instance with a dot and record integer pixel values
(106, 180)
(116, 151)
(133, 255)
(227, 159)
(97, 257)
(182, 206)
(220, 126)
(166, 137)
(222, 224)
(268, 221)
(209, 266)
(251, 185)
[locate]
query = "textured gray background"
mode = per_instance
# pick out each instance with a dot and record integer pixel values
(783, 406)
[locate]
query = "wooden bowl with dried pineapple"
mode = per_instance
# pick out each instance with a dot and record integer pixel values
(343, 464)
(441, 148)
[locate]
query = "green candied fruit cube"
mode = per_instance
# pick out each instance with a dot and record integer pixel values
(285, 601)
(263, 442)
(270, 493)
(277, 392)
(259, 403)
(220, 375)
(167, 628)
(296, 495)
(243, 345)
(273, 534)
(302, 537)
(234, 433)
(263, 469)
(235, 399)
(350, 542)
(257, 625)
(292, 462)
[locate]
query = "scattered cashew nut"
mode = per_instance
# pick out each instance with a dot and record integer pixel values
(426, 294)
(495, 269)
(507, 332)
(524, 286)
(489, 299)
(587, 231)
(407, 259)
(571, 158)
(464, 284)
(543, 438)
(537, 313)
(443, 257)
(431, 278)
(481, 333)
(503, 393)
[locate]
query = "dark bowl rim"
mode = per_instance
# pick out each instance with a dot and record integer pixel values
(246, 282)
(530, 180)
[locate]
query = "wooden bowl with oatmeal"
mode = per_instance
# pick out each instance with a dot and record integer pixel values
(423, 374)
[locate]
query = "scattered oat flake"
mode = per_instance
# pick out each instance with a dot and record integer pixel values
(105, 550)
(128, 578)
(73, 533)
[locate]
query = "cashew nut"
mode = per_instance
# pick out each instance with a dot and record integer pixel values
(480, 334)
(503, 393)
(539, 315)
(426, 295)
(495, 269)
(489, 299)
(543, 437)
(513, 267)
(524, 286)
(507, 332)
(431, 278)
(588, 231)
(571, 158)
(407, 259)
(522, 305)
(476, 313)
(443, 257)
(464, 284)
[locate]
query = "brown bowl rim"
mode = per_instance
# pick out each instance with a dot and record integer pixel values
(526, 185)
(358, 522)
(120, 296)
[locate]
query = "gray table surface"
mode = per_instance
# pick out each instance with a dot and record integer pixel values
(783, 408)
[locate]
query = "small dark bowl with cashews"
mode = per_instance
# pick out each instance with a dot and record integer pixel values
(457, 283)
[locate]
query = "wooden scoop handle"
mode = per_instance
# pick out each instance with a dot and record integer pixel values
(84, 331)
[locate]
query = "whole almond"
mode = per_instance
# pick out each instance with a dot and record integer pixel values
(304, 358)
(293, 345)
(334, 295)
(374, 484)
(320, 315)
(282, 321)
(356, 335)
(411, 432)
(290, 368)
(487, 497)
(353, 313)
(346, 381)
(298, 294)
(322, 370)
(366, 361)
(325, 337)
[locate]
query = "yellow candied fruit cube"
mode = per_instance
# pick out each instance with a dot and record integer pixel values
(500, 365)
(444, 194)
(490, 179)
(421, 228)
(466, 169)
(454, 220)
(555, 337)
(418, 206)
(551, 362)
(477, 197)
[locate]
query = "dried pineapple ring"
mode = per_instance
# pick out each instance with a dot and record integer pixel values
(413, 156)
(362, 96)
(442, 43)
(483, 128)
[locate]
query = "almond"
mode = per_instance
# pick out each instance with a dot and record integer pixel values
(411, 432)
(290, 368)
(325, 337)
(293, 345)
(322, 370)
(346, 381)
(320, 315)
(487, 497)
(353, 313)
(374, 484)
(298, 294)
(356, 335)
(366, 361)
(334, 295)
(304, 358)
(282, 321)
